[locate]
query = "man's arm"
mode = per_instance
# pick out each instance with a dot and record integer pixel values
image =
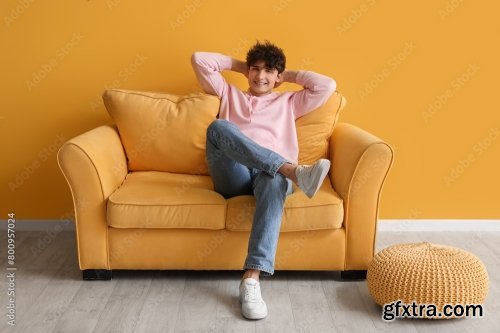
(317, 89)
(287, 76)
(208, 67)
(239, 66)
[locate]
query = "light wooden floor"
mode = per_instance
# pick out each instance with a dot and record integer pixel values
(51, 296)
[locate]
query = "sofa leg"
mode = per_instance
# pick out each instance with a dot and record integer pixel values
(96, 274)
(353, 275)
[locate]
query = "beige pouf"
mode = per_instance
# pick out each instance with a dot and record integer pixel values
(427, 273)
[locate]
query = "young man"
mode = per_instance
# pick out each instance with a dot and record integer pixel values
(253, 149)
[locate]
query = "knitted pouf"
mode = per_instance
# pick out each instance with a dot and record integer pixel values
(427, 273)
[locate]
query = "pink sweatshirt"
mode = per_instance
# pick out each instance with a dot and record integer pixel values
(269, 120)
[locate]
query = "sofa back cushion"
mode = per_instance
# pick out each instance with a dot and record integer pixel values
(162, 132)
(166, 132)
(315, 128)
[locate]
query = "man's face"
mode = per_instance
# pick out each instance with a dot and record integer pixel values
(262, 79)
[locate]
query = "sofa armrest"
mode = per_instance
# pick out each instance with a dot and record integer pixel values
(94, 165)
(360, 164)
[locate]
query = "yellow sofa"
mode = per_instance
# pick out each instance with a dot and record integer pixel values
(143, 197)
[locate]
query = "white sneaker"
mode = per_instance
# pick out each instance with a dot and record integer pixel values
(252, 304)
(310, 177)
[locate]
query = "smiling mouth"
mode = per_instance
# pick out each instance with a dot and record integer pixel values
(260, 83)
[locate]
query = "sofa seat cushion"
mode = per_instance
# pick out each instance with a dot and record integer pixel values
(324, 211)
(153, 199)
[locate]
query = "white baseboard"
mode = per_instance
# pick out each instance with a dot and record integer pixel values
(383, 225)
(438, 225)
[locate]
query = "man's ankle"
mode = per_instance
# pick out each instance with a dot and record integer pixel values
(251, 273)
(288, 170)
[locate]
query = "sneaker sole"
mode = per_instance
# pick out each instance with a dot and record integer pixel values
(319, 178)
(255, 315)
(250, 315)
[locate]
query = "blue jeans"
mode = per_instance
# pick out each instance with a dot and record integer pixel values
(240, 166)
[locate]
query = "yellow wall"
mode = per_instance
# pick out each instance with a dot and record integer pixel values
(423, 75)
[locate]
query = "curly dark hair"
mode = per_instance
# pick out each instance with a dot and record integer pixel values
(272, 55)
